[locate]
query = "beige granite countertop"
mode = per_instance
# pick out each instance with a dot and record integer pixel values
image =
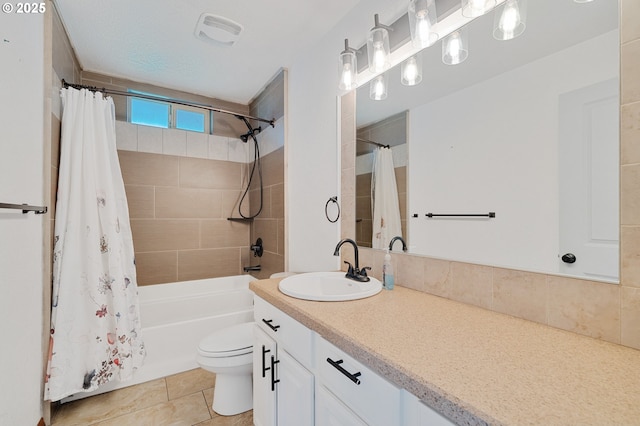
(477, 366)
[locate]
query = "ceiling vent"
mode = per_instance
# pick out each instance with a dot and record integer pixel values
(217, 30)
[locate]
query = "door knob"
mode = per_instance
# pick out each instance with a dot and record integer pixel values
(569, 258)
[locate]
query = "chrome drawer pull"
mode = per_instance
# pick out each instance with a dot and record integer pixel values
(264, 367)
(273, 373)
(272, 327)
(353, 377)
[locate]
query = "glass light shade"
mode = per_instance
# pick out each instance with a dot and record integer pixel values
(455, 47)
(511, 21)
(378, 88)
(378, 50)
(411, 71)
(348, 71)
(422, 17)
(474, 8)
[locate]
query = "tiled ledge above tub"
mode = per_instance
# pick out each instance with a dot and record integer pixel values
(183, 143)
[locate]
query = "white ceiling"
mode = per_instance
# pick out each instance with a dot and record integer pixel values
(153, 41)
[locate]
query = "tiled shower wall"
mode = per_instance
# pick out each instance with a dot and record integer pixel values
(605, 311)
(269, 225)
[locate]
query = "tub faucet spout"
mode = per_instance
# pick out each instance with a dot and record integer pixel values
(394, 239)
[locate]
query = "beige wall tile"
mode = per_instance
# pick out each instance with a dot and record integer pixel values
(54, 194)
(437, 277)
(187, 410)
(472, 284)
(630, 314)
(629, 16)
(630, 132)
(187, 203)
(140, 200)
(585, 307)
(347, 211)
(401, 178)
(630, 194)
(273, 168)
(363, 185)
(629, 66)
(55, 141)
(277, 201)
(630, 256)
(363, 208)
(348, 104)
(220, 233)
(267, 229)
(521, 294)
(254, 202)
(157, 267)
(230, 200)
(140, 168)
(270, 263)
(408, 270)
(281, 241)
(111, 404)
(348, 157)
(165, 234)
(208, 263)
(188, 382)
(211, 174)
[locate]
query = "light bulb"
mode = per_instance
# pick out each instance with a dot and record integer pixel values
(378, 88)
(454, 47)
(347, 77)
(454, 50)
(379, 57)
(411, 71)
(511, 22)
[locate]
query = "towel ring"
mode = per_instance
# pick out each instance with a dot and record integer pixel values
(326, 208)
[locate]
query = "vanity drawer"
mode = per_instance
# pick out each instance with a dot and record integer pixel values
(288, 333)
(370, 396)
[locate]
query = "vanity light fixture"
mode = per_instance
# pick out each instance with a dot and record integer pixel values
(474, 8)
(348, 68)
(411, 71)
(512, 21)
(378, 47)
(422, 17)
(455, 47)
(378, 88)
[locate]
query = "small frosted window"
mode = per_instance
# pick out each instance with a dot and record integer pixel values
(190, 120)
(149, 113)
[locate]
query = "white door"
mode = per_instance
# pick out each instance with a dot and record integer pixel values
(295, 392)
(589, 163)
(264, 397)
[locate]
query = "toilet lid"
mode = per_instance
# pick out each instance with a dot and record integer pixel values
(230, 341)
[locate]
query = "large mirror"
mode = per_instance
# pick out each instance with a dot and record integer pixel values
(526, 129)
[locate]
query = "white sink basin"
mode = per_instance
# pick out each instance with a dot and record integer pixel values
(328, 287)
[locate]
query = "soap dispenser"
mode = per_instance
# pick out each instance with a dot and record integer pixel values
(387, 272)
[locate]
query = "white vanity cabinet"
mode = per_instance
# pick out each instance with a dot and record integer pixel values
(369, 396)
(301, 379)
(283, 386)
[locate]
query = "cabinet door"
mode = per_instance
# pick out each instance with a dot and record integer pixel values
(331, 412)
(295, 392)
(264, 398)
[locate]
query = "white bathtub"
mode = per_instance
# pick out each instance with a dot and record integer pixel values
(176, 316)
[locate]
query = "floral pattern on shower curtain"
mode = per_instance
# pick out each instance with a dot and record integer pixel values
(95, 318)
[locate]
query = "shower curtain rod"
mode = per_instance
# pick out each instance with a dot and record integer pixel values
(169, 100)
(373, 143)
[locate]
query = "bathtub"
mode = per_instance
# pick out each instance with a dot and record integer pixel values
(176, 316)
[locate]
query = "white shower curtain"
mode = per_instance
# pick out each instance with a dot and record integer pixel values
(95, 323)
(384, 199)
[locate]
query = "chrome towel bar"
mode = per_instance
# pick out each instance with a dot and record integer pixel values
(26, 208)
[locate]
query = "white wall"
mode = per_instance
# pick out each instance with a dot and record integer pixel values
(313, 143)
(493, 147)
(21, 236)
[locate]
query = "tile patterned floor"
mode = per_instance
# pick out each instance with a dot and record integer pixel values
(180, 400)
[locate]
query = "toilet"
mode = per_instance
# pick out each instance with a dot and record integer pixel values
(229, 354)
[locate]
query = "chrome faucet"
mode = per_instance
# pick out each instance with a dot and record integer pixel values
(394, 239)
(353, 272)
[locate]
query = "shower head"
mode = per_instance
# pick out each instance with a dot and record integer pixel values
(251, 133)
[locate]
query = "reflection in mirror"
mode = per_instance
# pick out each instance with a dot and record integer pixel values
(376, 203)
(526, 128)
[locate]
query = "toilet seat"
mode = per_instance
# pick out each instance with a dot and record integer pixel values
(229, 342)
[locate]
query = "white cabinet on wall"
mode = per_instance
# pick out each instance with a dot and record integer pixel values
(283, 386)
